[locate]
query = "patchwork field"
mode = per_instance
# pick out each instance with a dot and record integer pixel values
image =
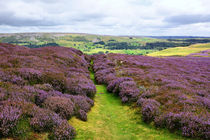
(102, 44)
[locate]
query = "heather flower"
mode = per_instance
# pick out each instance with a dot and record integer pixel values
(45, 87)
(82, 103)
(81, 86)
(26, 96)
(150, 109)
(30, 74)
(147, 94)
(129, 90)
(170, 120)
(63, 132)
(9, 117)
(60, 105)
(194, 126)
(2, 96)
(44, 120)
(40, 97)
(203, 101)
(82, 115)
(57, 80)
(140, 102)
(114, 85)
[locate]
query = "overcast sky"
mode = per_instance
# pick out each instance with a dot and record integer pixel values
(110, 17)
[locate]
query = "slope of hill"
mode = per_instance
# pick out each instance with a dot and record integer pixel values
(40, 89)
(182, 51)
(171, 93)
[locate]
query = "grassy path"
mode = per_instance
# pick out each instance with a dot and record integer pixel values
(110, 120)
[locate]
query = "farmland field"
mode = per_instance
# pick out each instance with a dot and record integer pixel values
(182, 51)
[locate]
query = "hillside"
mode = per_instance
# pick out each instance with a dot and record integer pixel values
(171, 93)
(100, 44)
(61, 93)
(40, 89)
(197, 49)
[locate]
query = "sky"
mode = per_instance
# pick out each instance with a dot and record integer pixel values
(107, 17)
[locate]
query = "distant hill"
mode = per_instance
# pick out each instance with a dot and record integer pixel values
(102, 44)
(176, 37)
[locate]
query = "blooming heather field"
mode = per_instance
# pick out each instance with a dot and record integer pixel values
(172, 93)
(40, 89)
(44, 90)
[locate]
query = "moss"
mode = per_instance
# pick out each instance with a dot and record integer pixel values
(22, 130)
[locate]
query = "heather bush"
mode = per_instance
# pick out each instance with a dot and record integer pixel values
(170, 120)
(179, 84)
(82, 103)
(45, 87)
(129, 90)
(90, 101)
(194, 126)
(40, 97)
(60, 105)
(108, 78)
(77, 71)
(203, 101)
(57, 80)
(82, 115)
(81, 86)
(9, 117)
(150, 109)
(2, 96)
(44, 120)
(147, 94)
(10, 77)
(140, 102)
(33, 87)
(63, 132)
(114, 84)
(21, 95)
(30, 74)
(101, 75)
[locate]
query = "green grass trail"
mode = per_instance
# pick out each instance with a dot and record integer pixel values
(110, 120)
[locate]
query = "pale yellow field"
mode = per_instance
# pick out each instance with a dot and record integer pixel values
(181, 51)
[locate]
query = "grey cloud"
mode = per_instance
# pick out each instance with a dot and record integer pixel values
(87, 17)
(105, 16)
(8, 18)
(187, 19)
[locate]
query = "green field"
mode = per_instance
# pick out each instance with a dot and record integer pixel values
(181, 51)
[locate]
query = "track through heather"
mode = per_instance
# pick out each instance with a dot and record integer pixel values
(110, 120)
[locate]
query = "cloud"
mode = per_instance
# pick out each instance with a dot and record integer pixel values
(187, 19)
(9, 18)
(115, 17)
